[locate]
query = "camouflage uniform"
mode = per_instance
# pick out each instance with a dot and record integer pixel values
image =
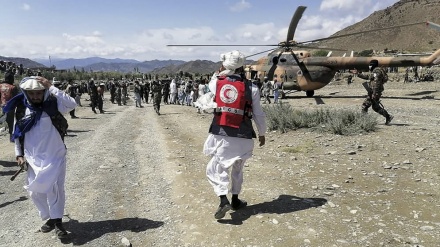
(112, 92)
(93, 91)
(146, 91)
(267, 86)
(156, 88)
(100, 98)
(376, 80)
(119, 94)
(124, 93)
(71, 90)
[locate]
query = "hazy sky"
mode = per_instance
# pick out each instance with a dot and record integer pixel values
(141, 29)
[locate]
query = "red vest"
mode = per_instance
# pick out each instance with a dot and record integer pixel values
(232, 105)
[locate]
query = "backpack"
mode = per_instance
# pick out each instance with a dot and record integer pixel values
(59, 122)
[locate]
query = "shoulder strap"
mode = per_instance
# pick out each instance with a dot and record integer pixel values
(59, 121)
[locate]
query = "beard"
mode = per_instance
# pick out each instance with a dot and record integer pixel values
(36, 102)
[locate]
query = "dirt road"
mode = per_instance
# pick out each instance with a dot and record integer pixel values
(137, 175)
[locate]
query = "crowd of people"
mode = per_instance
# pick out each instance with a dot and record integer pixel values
(11, 67)
(175, 91)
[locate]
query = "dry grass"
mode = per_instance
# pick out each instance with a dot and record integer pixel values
(283, 117)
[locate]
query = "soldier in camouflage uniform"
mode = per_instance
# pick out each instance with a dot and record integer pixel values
(124, 93)
(146, 91)
(376, 80)
(93, 92)
(118, 93)
(156, 89)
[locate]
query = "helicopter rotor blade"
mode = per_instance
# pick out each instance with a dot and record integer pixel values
(302, 67)
(294, 22)
(320, 48)
(368, 31)
(222, 45)
(272, 69)
(261, 52)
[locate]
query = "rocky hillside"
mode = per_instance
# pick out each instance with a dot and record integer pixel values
(417, 38)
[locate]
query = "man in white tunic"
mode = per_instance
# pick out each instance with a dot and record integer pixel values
(230, 140)
(173, 91)
(39, 145)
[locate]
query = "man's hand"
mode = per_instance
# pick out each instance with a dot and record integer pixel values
(45, 82)
(262, 140)
(22, 163)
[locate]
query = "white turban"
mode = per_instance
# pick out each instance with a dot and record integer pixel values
(30, 83)
(233, 60)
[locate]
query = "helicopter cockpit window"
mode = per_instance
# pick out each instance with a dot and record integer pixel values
(287, 59)
(284, 59)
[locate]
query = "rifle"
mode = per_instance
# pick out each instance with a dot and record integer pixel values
(370, 94)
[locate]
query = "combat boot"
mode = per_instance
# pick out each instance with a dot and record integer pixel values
(388, 119)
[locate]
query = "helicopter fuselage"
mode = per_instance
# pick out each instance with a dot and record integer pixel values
(321, 70)
(289, 73)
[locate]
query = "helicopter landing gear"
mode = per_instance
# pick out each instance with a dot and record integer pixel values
(310, 93)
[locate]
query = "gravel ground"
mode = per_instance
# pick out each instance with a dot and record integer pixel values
(136, 176)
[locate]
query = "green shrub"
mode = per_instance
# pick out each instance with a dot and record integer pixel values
(283, 117)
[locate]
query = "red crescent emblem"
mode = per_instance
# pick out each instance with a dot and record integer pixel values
(226, 93)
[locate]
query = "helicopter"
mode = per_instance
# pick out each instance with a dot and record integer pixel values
(298, 70)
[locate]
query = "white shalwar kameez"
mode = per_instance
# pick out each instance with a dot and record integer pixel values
(231, 151)
(45, 152)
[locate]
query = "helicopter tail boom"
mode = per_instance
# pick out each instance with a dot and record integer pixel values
(337, 63)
